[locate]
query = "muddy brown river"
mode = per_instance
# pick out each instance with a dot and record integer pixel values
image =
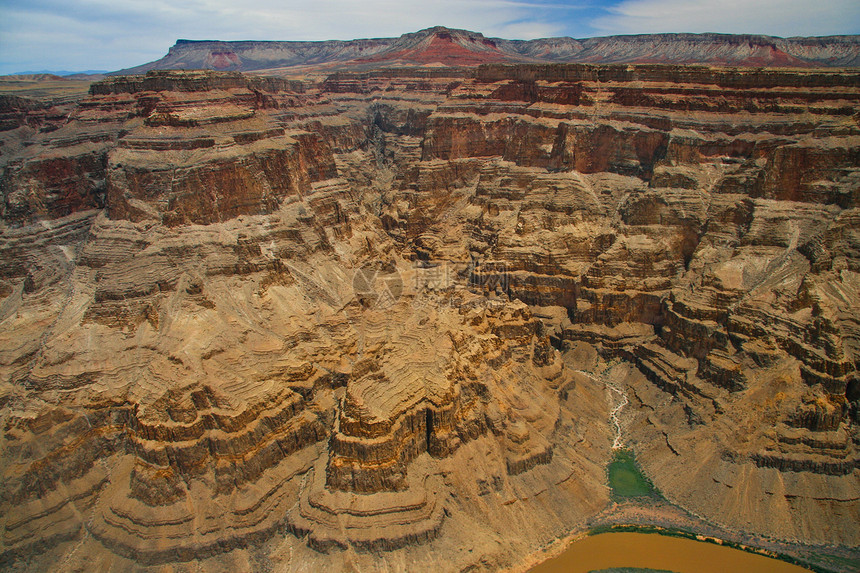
(652, 551)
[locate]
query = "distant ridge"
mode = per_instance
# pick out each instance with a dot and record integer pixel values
(62, 73)
(441, 46)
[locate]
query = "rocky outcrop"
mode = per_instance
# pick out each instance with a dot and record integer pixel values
(451, 47)
(690, 245)
(192, 81)
(362, 322)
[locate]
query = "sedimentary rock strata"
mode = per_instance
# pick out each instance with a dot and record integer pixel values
(342, 322)
(441, 46)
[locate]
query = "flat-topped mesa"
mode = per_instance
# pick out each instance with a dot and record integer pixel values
(249, 178)
(259, 55)
(440, 46)
(247, 162)
(727, 77)
(100, 156)
(192, 81)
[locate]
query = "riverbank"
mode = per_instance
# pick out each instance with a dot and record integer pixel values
(659, 517)
(638, 506)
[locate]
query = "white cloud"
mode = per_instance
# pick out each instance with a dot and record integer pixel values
(771, 17)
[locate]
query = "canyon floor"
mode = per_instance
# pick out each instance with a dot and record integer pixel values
(384, 320)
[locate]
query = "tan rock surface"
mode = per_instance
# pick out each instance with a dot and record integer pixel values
(260, 324)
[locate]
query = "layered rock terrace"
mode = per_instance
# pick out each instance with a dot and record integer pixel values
(246, 318)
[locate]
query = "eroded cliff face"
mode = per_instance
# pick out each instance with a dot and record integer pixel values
(266, 323)
(440, 46)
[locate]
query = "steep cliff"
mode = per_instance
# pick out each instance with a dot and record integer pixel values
(364, 322)
(451, 47)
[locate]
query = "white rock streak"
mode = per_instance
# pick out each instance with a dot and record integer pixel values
(618, 442)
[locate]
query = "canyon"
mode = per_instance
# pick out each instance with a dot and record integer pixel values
(378, 317)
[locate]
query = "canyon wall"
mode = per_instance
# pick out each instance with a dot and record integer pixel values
(440, 46)
(258, 322)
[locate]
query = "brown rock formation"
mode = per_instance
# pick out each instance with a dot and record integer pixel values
(342, 322)
(439, 46)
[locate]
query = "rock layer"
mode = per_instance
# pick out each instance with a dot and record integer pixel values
(450, 47)
(254, 318)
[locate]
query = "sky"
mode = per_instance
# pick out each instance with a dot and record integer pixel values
(78, 35)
